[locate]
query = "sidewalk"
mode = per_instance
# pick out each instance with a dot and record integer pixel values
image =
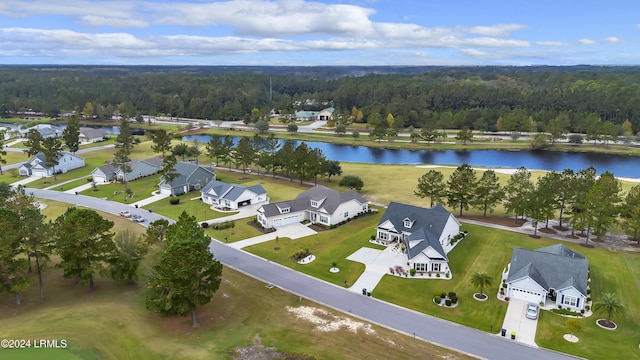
(377, 264)
(25, 181)
(156, 196)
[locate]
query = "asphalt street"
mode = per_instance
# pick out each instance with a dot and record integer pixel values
(412, 323)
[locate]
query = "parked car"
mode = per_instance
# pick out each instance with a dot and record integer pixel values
(532, 311)
(125, 214)
(137, 218)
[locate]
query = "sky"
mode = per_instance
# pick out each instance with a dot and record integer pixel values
(323, 32)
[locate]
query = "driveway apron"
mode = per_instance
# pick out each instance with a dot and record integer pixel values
(515, 320)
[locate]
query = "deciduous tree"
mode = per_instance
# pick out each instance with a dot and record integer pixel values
(352, 182)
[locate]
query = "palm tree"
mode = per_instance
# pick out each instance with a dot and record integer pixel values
(481, 280)
(609, 306)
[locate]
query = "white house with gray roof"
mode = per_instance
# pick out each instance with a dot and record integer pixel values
(426, 234)
(190, 177)
(233, 196)
(554, 272)
(36, 166)
(89, 135)
(139, 169)
(319, 204)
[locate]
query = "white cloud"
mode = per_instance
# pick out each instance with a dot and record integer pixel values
(587, 42)
(614, 40)
(552, 43)
(72, 8)
(496, 30)
(474, 53)
(92, 20)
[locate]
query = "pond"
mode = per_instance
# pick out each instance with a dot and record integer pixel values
(619, 165)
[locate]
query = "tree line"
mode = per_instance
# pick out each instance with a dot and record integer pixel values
(586, 202)
(185, 276)
(485, 99)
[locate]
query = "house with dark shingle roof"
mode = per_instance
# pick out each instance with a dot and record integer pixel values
(554, 272)
(425, 234)
(319, 204)
(190, 177)
(233, 196)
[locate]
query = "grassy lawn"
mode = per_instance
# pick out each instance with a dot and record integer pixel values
(328, 246)
(195, 208)
(73, 184)
(277, 189)
(240, 231)
(142, 189)
(487, 250)
(112, 323)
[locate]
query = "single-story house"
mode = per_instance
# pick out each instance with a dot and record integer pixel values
(425, 233)
(319, 204)
(36, 166)
(322, 115)
(233, 196)
(92, 135)
(139, 168)
(190, 177)
(555, 272)
(45, 130)
(104, 173)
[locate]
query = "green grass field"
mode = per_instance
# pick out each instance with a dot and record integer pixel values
(194, 207)
(328, 246)
(142, 188)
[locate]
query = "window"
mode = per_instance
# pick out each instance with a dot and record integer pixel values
(420, 267)
(346, 214)
(324, 219)
(285, 210)
(407, 223)
(383, 236)
(570, 300)
(435, 267)
(314, 203)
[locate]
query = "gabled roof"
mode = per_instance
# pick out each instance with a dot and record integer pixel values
(556, 267)
(332, 199)
(93, 132)
(185, 170)
(230, 191)
(427, 225)
(154, 161)
(107, 169)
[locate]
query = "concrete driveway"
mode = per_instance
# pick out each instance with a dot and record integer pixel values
(377, 264)
(515, 320)
(293, 231)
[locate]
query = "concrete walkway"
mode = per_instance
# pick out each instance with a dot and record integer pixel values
(515, 320)
(156, 196)
(293, 231)
(242, 213)
(25, 181)
(377, 264)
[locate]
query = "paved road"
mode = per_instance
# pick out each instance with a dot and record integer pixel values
(412, 323)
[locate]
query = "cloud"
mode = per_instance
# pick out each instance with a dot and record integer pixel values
(552, 43)
(614, 40)
(92, 20)
(501, 30)
(474, 53)
(587, 42)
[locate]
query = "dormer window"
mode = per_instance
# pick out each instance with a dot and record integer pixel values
(407, 223)
(314, 203)
(285, 210)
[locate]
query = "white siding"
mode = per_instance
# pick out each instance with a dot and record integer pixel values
(560, 294)
(451, 229)
(526, 289)
(352, 208)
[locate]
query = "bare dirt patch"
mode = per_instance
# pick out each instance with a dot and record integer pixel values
(325, 321)
(547, 231)
(260, 352)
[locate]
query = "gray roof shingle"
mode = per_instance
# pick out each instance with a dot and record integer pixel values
(330, 198)
(554, 267)
(427, 225)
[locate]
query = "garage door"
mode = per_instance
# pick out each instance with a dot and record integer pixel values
(526, 295)
(39, 173)
(165, 191)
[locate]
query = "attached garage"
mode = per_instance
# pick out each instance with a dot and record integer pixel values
(526, 295)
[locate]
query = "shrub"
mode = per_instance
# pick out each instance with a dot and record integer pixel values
(588, 299)
(447, 302)
(588, 291)
(174, 201)
(582, 311)
(437, 299)
(443, 294)
(90, 179)
(373, 237)
(412, 272)
(205, 225)
(451, 294)
(501, 291)
(504, 285)
(587, 307)
(454, 300)
(438, 275)
(506, 299)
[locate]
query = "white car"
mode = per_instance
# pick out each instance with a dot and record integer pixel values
(137, 218)
(125, 214)
(532, 311)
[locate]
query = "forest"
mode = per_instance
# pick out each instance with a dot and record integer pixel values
(480, 98)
